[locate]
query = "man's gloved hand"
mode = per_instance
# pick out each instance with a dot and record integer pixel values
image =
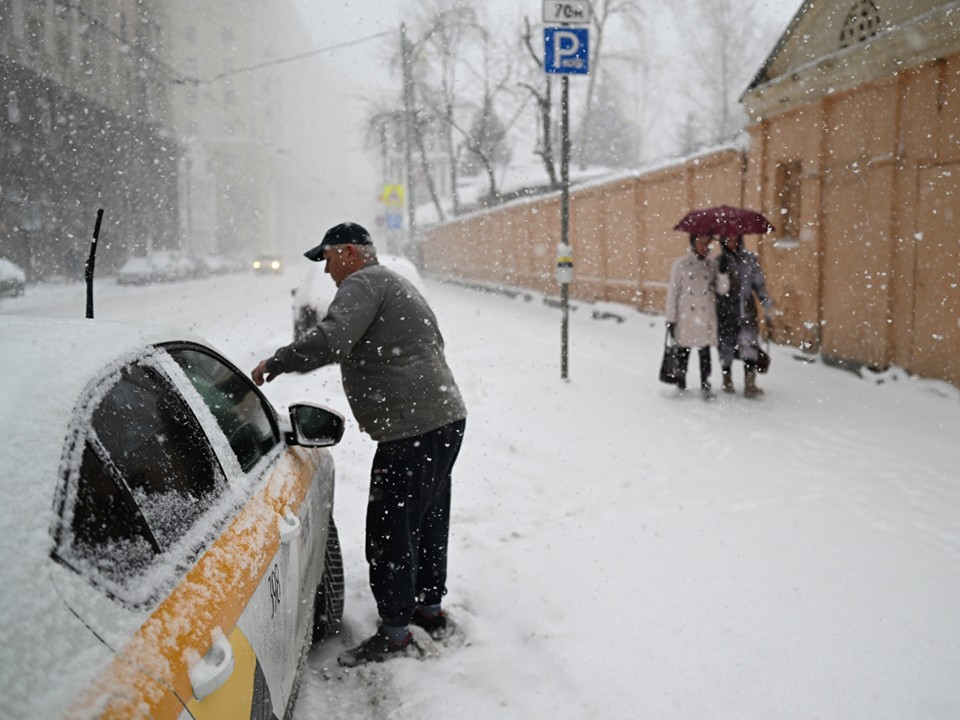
(670, 328)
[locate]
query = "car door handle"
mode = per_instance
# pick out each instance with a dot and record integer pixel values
(213, 669)
(289, 525)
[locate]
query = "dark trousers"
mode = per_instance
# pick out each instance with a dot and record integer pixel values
(408, 521)
(705, 367)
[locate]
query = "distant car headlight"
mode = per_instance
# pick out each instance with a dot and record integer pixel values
(275, 264)
(256, 264)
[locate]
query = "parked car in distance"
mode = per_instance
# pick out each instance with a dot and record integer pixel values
(13, 280)
(218, 265)
(268, 265)
(168, 546)
(162, 266)
(314, 293)
(137, 270)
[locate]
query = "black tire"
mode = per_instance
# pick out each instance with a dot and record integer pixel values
(328, 604)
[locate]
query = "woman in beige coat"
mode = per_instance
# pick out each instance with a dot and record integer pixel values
(691, 311)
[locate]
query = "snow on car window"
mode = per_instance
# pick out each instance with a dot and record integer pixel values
(146, 476)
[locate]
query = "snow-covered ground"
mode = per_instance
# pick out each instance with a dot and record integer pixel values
(620, 552)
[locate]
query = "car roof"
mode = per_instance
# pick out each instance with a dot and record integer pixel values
(47, 366)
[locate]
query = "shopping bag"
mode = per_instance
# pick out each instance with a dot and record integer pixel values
(763, 360)
(670, 370)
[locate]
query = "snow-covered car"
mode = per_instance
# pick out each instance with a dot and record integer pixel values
(268, 265)
(175, 265)
(216, 265)
(167, 547)
(312, 297)
(160, 266)
(137, 270)
(13, 281)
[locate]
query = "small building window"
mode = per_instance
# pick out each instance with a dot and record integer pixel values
(788, 176)
(862, 23)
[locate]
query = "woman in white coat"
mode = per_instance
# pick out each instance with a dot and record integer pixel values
(691, 311)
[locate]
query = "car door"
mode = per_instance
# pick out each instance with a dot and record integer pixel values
(228, 400)
(160, 554)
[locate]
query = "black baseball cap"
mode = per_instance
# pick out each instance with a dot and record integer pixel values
(343, 234)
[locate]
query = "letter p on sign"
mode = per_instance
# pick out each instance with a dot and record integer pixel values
(566, 50)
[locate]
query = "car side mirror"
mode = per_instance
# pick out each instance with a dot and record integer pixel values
(314, 426)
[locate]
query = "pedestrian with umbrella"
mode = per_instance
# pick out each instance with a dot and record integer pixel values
(737, 317)
(691, 310)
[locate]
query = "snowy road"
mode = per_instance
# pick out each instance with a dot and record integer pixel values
(619, 552)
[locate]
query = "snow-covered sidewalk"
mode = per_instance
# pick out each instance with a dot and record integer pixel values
(620, 552)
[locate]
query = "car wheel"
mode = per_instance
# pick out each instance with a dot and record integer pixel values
(328, 604)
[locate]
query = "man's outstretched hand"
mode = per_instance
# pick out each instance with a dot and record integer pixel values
(260, 374)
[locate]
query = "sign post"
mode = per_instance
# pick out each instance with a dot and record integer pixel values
(566, 52)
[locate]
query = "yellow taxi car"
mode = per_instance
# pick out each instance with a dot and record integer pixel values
(167, 545)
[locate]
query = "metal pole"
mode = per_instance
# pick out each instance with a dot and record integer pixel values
(564, 216)
(408, 130)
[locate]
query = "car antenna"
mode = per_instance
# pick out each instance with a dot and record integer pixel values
(91, 261)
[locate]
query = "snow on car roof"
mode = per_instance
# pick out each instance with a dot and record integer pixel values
(48, 364)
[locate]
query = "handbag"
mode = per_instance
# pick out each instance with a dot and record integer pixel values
(763, 361)
(670, 370)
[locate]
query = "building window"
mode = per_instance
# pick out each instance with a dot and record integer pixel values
(788, 201)
(862, 23)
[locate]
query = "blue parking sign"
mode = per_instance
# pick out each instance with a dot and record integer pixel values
(565, 51)
(394, 220)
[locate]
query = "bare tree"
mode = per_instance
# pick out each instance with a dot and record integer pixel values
(544, 104)
(602, 13)
(484, 138)
(728, 35)
(447, 26)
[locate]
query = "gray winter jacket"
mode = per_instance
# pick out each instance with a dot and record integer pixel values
(385, 337)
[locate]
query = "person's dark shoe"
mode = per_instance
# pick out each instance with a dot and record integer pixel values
(376, 649)
(706, 392)
(435, 625)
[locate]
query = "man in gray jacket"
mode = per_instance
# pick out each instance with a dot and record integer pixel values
(385, 337)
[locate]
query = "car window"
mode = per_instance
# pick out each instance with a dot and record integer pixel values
(238, 408)
(146, 475)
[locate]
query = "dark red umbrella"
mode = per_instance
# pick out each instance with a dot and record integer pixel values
(724, 220)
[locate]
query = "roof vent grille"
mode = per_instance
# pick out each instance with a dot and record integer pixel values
(862, 23)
